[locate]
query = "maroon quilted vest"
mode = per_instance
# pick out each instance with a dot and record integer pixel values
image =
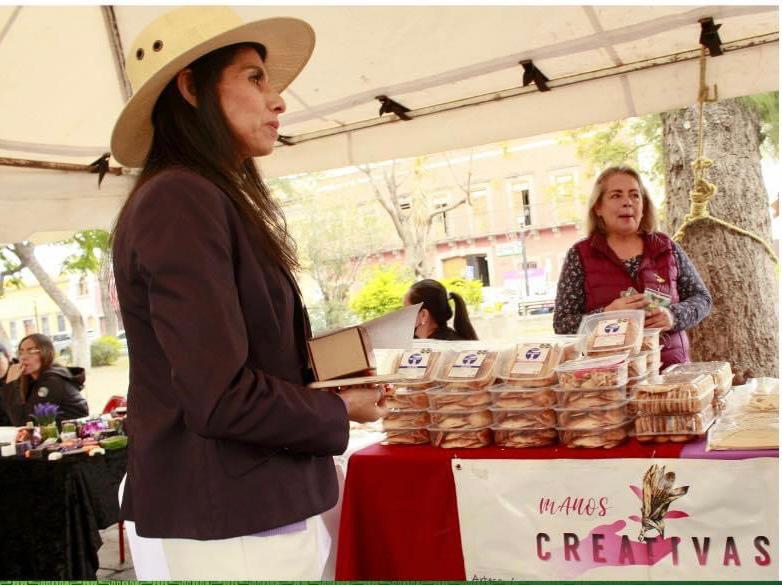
(605, 277)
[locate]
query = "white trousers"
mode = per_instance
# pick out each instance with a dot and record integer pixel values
(306, 555)
(297, 556)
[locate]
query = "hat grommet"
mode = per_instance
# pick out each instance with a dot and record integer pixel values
(140, 54)
(157, 46)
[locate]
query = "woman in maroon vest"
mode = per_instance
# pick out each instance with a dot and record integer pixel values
(623, 250)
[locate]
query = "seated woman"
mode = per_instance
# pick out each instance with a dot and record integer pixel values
(36, 379)
(432, 321)
(624, 250)
(5, 363)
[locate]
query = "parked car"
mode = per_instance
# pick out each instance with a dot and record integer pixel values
(61, 341)
(124, 340)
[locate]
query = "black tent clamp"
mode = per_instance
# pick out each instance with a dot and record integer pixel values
(389, 106)
(710, 37)
(533, 75)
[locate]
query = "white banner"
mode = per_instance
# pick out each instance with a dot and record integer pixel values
(618, 519)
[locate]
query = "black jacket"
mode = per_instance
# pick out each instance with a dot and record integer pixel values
(225, 439)
(57, 385)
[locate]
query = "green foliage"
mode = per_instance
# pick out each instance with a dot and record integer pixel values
(382, 292)
(767, 107)
(470, 290)
(93, 247)
(635, 142)
(10, 270)
(105, 350)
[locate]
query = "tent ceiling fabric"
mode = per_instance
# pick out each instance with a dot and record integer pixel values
(61, 92)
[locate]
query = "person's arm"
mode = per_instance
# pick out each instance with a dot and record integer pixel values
(694, 298)
(569, 308)
(183, 246)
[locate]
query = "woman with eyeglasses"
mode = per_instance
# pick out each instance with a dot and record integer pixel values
(37, 378)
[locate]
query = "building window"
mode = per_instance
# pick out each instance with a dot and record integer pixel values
(520, 190)
(13, 332)
(479, 196)
(29, 326)
(440, 221)
(405, 203)
(45, 325)
(60, 323)
(567, 200)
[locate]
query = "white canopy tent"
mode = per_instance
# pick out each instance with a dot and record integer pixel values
(456, 68)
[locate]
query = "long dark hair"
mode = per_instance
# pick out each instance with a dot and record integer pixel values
(435, 297)
(199, 139)
(46, 346)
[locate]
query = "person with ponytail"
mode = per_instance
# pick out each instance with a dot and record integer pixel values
(432, 320)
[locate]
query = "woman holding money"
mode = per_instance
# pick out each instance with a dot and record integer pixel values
(625, 264)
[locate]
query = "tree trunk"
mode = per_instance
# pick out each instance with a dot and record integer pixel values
(109, 314)
(742, 277)
(80, 345)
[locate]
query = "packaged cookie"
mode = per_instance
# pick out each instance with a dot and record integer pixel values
(461, 419)
(651, 339)
(569, 398)
(592, 418)
(674, 394)
(417, 367)
(637, 365)
(589, 373)
(612, 332)
(677, 428)
(532, 365)
(605, 437)
(522, 438)
(720, 371)
(414, 436)
(450, 400)
(523, 418)
(469, 369)
(405, 419)
(511, 396)
(407, 399)
(459, 438)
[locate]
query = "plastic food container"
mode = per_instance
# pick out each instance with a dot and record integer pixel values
(405, 419)
(459, 438)
(651, 339)
(469, 370)
(674, 428)
(418, 366)
(612, 332)
(654, 361)
(522, 438)
(568, 398)
(463, 419)
(532, 365)
(415, 436)
(605, 437)
(720, 371)
(597, 417)
(450, 400)
(593, 373)
(674, 394)
(510, 396)
(637, 365)
(524, 418)
(407, 399)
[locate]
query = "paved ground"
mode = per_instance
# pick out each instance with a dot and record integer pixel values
(108, 556)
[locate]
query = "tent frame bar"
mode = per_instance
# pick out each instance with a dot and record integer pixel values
(519, 91)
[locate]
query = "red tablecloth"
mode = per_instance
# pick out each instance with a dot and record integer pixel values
(399, 517)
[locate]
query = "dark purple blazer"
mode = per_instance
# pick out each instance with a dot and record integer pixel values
(225, 440)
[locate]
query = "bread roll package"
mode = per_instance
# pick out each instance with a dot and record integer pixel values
(471, 369)
(524, 438)
(612, 332)
(459, 438)
(532, 364)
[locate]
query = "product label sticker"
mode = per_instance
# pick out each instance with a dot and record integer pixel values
(413, 364)
(530, 359)
(611, 332)
(467, 364)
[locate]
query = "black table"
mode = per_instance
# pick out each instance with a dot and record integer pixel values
(51, 511)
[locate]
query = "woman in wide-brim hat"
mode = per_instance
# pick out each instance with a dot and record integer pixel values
(230, 455)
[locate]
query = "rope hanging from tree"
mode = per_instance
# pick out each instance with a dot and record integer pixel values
(703, 191)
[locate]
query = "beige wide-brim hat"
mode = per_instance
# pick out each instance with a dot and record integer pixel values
(175, 40)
